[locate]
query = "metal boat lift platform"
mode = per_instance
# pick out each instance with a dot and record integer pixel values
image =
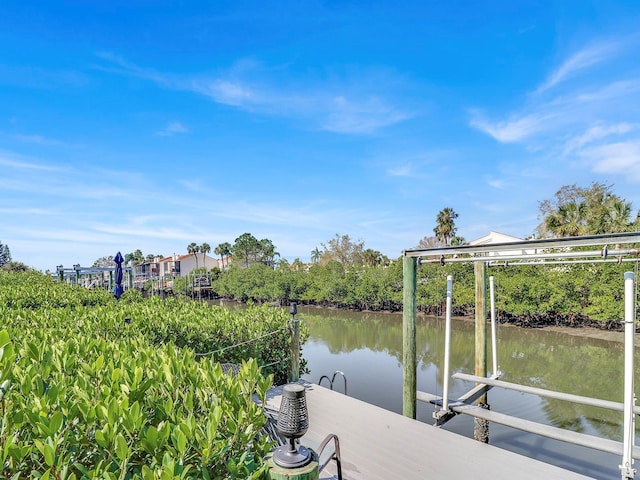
(379, 444)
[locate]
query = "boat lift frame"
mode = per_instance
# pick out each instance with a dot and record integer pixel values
(527, 252)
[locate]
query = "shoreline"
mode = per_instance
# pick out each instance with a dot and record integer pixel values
(605, 332)
(584, 331)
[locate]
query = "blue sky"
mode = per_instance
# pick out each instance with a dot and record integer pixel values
(151, 125)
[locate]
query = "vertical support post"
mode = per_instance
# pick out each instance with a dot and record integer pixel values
(480, 426)
(110, 280)
(409, 363)
(494, 328)
(447, 346)
(627, 470)
(294, 366)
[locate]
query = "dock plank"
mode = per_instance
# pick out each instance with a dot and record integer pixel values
(379, 444)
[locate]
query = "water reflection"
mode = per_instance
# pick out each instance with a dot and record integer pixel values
(367, 347)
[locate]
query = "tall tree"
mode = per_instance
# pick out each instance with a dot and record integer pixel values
(614, 218)
(224, 250)
(316, 255)
(245, 247)
(570, 220)
(136, 258)
(430, 242)
(344, 250)
(5, 254)
(193, 249)
(371, 258)
(104, 262)
(578, 210)
(445, 228)
(267, 252)
(205, 248)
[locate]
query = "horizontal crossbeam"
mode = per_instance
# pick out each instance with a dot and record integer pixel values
(593, 402)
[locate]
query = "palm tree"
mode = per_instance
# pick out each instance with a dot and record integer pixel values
(371, 257)
(569, 220)
(205, 248)
(316, 254)
(224, 250)
(193, 249)
(614, 218)
(445, 225)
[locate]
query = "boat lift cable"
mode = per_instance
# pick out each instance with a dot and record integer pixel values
(220, 350)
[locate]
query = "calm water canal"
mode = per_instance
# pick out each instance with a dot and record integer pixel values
(367, 347)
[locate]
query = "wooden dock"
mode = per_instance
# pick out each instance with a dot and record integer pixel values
(379, 444)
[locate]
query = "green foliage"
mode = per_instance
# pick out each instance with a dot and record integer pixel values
(344, 250)
(248, 250)
(531, 295)
(131, 389)
(592, 210)
(5, 254)
(446, 228)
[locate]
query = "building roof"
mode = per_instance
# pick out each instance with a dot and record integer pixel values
(494, 237)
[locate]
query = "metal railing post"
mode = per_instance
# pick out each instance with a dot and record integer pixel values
(494, 327)
(627, 470)
(447, 346)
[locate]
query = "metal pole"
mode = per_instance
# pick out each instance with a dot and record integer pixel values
(409, 363)
(494, 334)
(447, 346)
(627, 470)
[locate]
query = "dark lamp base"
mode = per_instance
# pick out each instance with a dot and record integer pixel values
(285, 458)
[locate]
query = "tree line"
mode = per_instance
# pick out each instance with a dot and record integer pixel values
(344, 275)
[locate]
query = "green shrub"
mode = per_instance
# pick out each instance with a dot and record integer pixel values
(132, 389)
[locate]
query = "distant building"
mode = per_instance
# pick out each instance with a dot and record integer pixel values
(497, 237)
(181, 265)
(172, 267)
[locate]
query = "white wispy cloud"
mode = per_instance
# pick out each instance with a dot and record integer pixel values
(590, 122)
(153, 231)
(171, 129)
(514, 129)
(12, 160)
(599, 132)
(401, 171)
(366, 116)
(228, 92)
(581, 60)
(622, 158)
(613, 90)
(496, 183)
(329, 105)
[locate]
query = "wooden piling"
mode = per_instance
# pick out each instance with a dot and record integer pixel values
(409, 363)
(294, 365)
(481, 426)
